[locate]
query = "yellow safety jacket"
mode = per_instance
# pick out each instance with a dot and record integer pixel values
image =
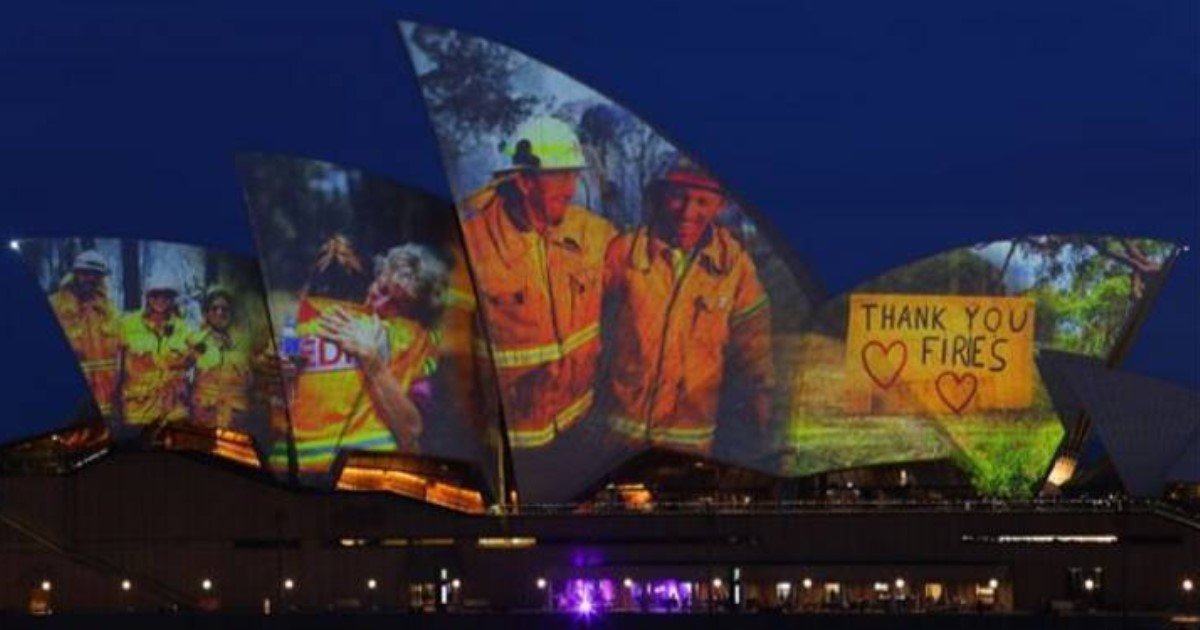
(154, 369)
(223, 377)
(92, 329)
(683, 324)
(331, 408)
(540, 299)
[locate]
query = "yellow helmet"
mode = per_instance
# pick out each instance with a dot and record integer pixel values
(545, 144)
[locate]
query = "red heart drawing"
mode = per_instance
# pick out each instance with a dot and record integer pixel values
(884, 353)
(955, 390)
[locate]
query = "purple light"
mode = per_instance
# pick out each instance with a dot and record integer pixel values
(585, 607)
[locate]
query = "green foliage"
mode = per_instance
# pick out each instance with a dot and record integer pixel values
(1005, 454)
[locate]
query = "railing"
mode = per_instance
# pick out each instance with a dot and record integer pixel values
(1105, 505)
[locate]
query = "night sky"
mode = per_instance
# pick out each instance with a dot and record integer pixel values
(870, 133)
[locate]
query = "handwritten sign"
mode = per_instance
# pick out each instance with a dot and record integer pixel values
(939, 354)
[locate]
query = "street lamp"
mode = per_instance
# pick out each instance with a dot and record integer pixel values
(899, 584)
(716, 582)
(1089, 585)
(993, 583)
(807, 583)
(289, 584)
(126, 585)
(541, 584)
(206, 584)
(371, 584)
(46, 585)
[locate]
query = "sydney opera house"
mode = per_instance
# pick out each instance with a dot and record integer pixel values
(592, 382)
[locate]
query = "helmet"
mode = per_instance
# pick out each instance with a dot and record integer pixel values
(217, 291)
(544, 143)
(160, 282)
(681, 170)
(90, 260)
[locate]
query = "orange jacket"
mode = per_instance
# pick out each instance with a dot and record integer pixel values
(540, 296)
(223, 379)
(467, 376)
(673, 339)
(92, 329)
(154, 368)
(331, 408)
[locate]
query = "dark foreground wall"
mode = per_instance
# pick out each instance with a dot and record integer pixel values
(608, 622)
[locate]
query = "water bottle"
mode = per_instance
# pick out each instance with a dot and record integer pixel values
(291, 341)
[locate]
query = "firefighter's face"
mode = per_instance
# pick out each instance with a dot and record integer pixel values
(549, 193)
(160, 302)
(87, 282)
(689, 211)
(392, 291)
(219, 313)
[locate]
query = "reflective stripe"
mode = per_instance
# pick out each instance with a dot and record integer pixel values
(325, 451)
(531, 438)
(459, 298)
(99, 364)
(563, 420)
(538, 355)
(744, 314)
(693, 438)
(571, 414)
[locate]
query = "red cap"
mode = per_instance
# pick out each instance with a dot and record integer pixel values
(684, 172)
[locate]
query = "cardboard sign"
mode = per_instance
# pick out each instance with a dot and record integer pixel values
(938, 354)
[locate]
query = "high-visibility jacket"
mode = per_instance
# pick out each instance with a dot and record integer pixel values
(154, 368)
(466, 375)
(540, 298)
(331, 408)
(683, 324)
(223, 377)
(92, 328)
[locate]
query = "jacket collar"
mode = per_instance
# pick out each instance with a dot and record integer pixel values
(713, 254)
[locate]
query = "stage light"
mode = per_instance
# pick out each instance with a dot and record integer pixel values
(206, 584)
(371, 584)
(807, 582)
(126, 585)
(289, 584)
(46, 585)
(541, 584)
(1187, 585)
(993, 583)
(585, 607)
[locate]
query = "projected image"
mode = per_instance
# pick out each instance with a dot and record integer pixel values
(628, 297)
(165, 333)
(935, 360)
(374, 311)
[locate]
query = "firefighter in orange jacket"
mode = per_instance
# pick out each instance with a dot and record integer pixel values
(90, 322)
(156, 354)
(690, 320)
(538, 265)
(365, 379)
(223, 376)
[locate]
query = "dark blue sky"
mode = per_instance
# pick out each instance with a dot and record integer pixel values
(872, 133)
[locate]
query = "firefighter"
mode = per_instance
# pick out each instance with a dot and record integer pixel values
(156, 355)
(364, 378)
(688, 316)
(538, 262)
(90, 321)
(223, 374)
